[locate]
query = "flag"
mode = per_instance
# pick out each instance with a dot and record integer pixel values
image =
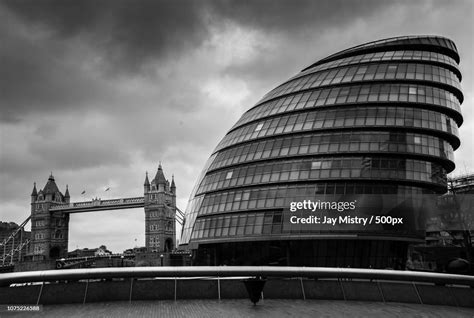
(107, 189)
(83, 192)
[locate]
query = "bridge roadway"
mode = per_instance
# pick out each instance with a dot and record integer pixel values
(100, 205)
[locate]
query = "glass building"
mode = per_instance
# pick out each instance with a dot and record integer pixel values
(374, 125)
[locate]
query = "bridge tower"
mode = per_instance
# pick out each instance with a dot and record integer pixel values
(160, 213)
(49, 230)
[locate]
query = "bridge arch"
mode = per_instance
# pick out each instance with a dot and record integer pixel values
(169, 245)
(55, 252)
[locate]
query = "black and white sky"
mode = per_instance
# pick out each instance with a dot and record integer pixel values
(98, 92)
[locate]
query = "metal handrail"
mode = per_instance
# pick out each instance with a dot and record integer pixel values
(234, 271)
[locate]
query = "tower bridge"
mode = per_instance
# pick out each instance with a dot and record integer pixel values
(50, 215)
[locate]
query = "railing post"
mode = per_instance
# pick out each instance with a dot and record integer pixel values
(380, 290)
(342, 289)
(219, 287)
(417, 293)
(302, 288)
(131, 290)
(85, 292)
(41, 291)
(175, 288)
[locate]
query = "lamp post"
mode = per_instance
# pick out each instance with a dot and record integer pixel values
(161, 257)
(122, 259)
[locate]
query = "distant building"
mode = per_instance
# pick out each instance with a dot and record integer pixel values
(135, 250)
(160, 221)
(90, 252)
(160, 213)
(462, 184)
(49, 229)
(452, 224)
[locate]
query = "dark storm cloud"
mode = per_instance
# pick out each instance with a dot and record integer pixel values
(52, 51)
(292, 17)
(38, 75)
(128, 33)
(289, 24)
(61, 55)
(135, 31)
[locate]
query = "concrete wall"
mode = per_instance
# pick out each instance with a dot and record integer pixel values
(153, 289)
(169, 289)
(35, 266)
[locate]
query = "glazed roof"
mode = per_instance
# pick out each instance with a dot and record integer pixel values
(426, 42)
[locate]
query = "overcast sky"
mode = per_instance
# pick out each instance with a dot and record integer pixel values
(98, 92)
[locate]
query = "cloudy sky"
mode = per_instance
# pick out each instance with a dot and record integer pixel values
(98, 92)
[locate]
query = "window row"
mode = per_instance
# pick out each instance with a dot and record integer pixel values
(154, 241)
(255, 223)
(384, 56)
(58, 197)
(154, 227)
(269, 222)
(55, 235)
(368, 72)
(39, 248)
(404, 41)
(353, 94)
(324, 168)
(322, 252)
(281, 196)
(336, 142)
(58, 221)
(191, 212)
(342, 118)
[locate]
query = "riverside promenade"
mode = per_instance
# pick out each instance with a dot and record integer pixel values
(220, 292)
(243, 308)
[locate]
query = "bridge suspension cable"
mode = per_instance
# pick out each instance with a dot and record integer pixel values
(181, 213)
(10, 253)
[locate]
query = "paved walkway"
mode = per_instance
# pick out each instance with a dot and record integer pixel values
(243, 308)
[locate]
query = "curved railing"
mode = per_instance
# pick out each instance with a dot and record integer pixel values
(235, 271)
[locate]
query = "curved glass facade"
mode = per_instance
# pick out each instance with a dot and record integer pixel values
(366, 132)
